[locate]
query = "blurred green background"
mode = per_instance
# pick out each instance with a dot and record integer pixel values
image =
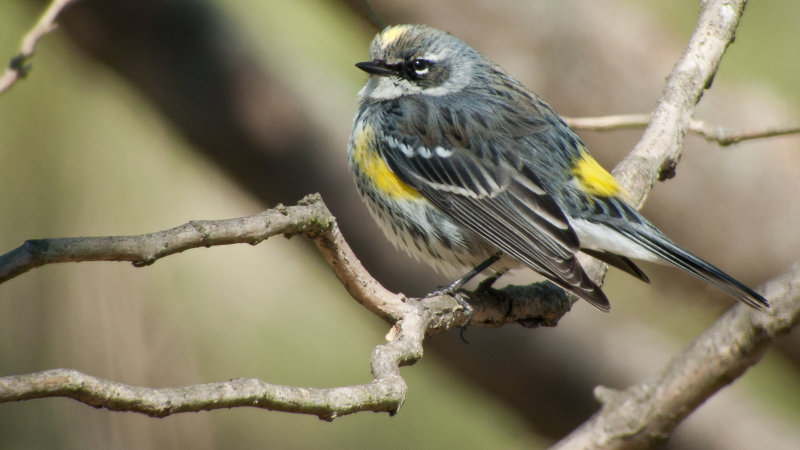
(139, 116)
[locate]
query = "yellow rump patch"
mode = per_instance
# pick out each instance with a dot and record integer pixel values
(376, 170)
(593, 178)
(392, 34)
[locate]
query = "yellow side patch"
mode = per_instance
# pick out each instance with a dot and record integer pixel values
(376, 170)
(593, 178)
(391, 34)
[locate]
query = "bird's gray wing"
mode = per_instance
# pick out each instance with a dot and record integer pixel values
(489, 191)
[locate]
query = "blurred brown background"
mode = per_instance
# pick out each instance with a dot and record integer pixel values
(138, 116)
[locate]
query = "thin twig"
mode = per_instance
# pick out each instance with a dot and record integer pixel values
(722, 136)
(611, 122)
(18, 67)
(725, 137)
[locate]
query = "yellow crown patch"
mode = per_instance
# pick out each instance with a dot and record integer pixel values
(392, 34)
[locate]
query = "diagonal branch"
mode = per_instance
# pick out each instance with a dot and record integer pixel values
(722, 136)
(658, 152)
(648, 412)
(18, 67)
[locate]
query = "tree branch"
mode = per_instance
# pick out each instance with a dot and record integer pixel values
(645, 414)
(538, 304)
(725, 137)
(384, 394)
(657, 153)
(18, 67)
(146, 249)
(722, 136)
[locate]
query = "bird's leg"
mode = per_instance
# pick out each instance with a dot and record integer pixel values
(453, 289)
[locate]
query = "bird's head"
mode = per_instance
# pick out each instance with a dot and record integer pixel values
(417, 60)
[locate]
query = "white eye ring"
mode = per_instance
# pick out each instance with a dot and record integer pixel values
(420, 66)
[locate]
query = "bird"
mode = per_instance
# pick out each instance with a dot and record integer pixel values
(465, 169)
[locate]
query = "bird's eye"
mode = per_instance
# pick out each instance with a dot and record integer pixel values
(420, 66)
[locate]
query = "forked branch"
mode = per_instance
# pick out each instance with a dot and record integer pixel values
(411, 318)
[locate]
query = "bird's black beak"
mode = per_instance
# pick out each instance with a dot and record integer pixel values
(377, 67)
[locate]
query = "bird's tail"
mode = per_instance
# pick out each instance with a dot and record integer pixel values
(667, 250)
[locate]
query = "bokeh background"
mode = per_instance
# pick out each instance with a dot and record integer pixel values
(141, 115)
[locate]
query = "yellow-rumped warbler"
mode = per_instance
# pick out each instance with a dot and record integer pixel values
(464, 167)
